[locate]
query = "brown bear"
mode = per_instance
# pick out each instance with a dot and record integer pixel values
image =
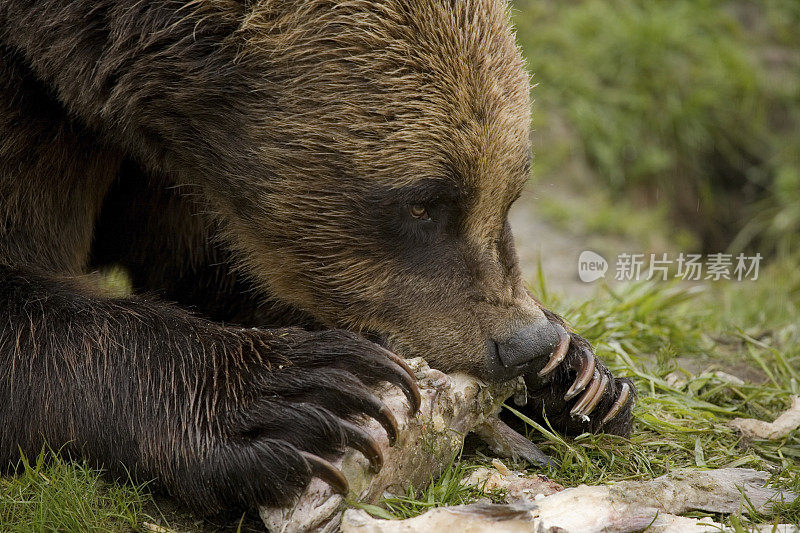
(282, 180)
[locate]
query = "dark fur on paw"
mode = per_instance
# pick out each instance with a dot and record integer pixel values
(577, 393)
(293, 403)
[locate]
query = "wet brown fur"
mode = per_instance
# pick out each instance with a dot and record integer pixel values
(252, 162)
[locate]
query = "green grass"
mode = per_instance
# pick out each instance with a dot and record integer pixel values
(447, 489)
(51, 495)
(647, 332)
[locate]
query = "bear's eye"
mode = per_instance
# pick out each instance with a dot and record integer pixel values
(419, 212)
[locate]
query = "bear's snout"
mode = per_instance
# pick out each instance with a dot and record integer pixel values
(531, 344)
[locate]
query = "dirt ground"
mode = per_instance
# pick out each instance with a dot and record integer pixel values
(557, 249)
(539, 242)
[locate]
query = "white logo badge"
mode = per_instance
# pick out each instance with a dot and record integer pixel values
(591, 266)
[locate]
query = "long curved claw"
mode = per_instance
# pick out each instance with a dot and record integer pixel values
(363, 442)
(374, 407)
(584, 377)
(408, 383)
(624, 394)
(591, 397)
(328, 473)
(597, 397)
(558, 355)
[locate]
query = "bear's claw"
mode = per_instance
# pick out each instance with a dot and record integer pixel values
(560, 352)
(585, 374)
(363, 442)
(409, 380)
(296, 416)
(325, 471)
(592, 397)
(376, 409)
(622, 399)
(575, 383)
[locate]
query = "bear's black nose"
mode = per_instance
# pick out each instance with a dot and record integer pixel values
(534, 342)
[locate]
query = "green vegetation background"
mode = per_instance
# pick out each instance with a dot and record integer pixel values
(687, 107)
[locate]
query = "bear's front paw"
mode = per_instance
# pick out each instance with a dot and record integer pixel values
(578, 393)
(294, 406)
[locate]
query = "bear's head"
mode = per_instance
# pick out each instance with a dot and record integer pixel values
(395, 137)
